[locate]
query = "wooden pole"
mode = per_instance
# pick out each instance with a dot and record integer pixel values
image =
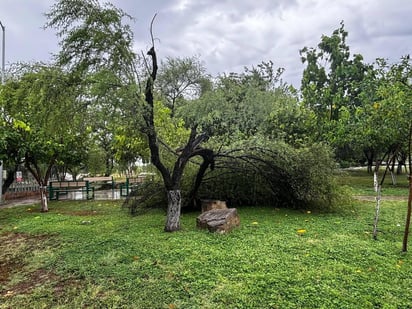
(409, 212)
(408, 217)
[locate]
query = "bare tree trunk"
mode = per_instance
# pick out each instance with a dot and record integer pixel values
(208, 161)
(402, 157)
(10, 178)
(36, 171)
(377, 187)
(43, 196)
(377, 211)
(174, 200)
(369, 154)
(391, 166)
(171, 180)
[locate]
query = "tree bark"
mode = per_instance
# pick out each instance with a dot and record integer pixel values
(369, 154)
(174, 200)
(171, 180)
(208, 160)
(43, 196)
(402, 157)
(10, 178)
(35, 170)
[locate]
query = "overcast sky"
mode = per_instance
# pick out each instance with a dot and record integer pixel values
(230, 34)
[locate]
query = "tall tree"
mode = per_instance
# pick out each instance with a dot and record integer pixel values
(239, 105)
(179, 79)
(331, 79)
(380, 125)
(95, 39)
(41, 107)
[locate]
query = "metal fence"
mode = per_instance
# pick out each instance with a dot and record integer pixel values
(26, 187)
(23, 186)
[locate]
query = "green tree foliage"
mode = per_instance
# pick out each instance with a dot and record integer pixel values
(380, 126)
(241, 105)
(130, 149)
(356, 106)
(288, 121)
(331, 79)
(245, 114)
(97, 42)
(97, 50)
(41, 113)
(261, 172)
(180, 79)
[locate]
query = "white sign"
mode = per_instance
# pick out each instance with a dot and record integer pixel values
(19, 176)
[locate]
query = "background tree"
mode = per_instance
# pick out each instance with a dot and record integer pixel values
(97, 51)
(331, 81)
(42, 108)
(130, 148)
(378, 127)
(179, 79)
(12, 152)
(238, 105)
(249, 116)
(95, 39)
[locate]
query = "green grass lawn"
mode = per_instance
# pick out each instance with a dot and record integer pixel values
(94, 255)
(361, 183)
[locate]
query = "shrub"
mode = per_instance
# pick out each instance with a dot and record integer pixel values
(276, 174)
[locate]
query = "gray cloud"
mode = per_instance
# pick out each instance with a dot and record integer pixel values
(231, 34)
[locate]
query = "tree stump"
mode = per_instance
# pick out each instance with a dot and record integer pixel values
(212, 204)
(218, 220)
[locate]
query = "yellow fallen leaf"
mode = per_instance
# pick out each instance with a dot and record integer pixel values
(9, 293)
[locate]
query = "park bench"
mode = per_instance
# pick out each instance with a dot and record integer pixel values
(133, 183)
(99, 180)
(57, 188)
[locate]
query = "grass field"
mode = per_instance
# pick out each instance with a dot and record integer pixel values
(94, 255)
(361, 183)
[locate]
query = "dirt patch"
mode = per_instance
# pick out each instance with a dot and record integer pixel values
(41, 277)
(14, 257)
(61, 286)
(16, 249)
(7, 268)
(37, 278)
(11, 238)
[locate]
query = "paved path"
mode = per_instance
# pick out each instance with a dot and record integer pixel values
(19, 202)
(98, 195)
(115, 195)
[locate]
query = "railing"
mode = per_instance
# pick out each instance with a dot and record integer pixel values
(22, 189)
